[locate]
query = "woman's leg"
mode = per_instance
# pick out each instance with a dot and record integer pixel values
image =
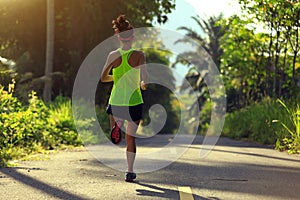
(112, 121)
(130, 141)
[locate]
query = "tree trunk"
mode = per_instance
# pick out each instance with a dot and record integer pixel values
(295, 56)
(276, 70)
(269, 62)
(284, 63)
(49, 51)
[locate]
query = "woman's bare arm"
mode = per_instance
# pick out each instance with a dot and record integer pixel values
(144, 72)
(105, 76)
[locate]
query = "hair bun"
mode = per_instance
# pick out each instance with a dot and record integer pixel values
(121, 24)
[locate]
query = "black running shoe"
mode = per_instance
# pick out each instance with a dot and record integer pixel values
(130, 176)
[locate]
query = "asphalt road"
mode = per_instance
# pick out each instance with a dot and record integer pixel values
(233, 170)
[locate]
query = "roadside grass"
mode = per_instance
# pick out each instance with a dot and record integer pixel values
(290, 141)
(35, 127)
(273, 122)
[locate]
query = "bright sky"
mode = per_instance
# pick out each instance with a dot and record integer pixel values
(214, 7)
(185, 9)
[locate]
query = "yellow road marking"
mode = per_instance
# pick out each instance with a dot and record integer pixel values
(185, 193)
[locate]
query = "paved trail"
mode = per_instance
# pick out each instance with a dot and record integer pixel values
(233, 170)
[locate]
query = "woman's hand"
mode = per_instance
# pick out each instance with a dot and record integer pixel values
(144, 73)
(143, 85)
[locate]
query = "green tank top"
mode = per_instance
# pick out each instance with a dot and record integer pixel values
(126, 87)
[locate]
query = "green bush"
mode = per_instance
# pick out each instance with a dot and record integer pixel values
(92, 122)
(103, 119)
(205, 116)
(25, 129)
(291, 140)
(62, 123)
(256, 123)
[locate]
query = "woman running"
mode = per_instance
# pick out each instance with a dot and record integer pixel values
(129, 76)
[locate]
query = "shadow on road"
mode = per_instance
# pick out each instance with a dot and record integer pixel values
(36, 184)
(231, 178)
(248, 154)
(255, 172)
(164, 192)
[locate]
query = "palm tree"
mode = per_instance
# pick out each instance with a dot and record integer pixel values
(208, 40)
(49, 51)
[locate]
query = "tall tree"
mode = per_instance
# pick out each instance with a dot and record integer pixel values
(242, 62)
(80, 25)
(209, 40)
(202, 75)
(281, 19)
(49, 51)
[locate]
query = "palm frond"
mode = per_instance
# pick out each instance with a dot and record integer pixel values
(192, 33)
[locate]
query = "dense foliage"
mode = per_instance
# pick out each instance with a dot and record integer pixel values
(268, 122)
(80, 25)
(257, 54)
(25, 129)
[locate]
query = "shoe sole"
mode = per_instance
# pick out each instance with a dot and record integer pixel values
(116, 134)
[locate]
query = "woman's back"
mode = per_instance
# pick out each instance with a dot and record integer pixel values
(126, 74)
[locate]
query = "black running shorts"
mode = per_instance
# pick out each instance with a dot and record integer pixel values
(130, 113)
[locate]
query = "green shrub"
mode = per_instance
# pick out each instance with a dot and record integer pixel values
(290, 141)
(89, 127)
(256, 123)
(25, 129)
(252, 122)
(103, 119)
(8, 103)
(62, 123)
(205, 116)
